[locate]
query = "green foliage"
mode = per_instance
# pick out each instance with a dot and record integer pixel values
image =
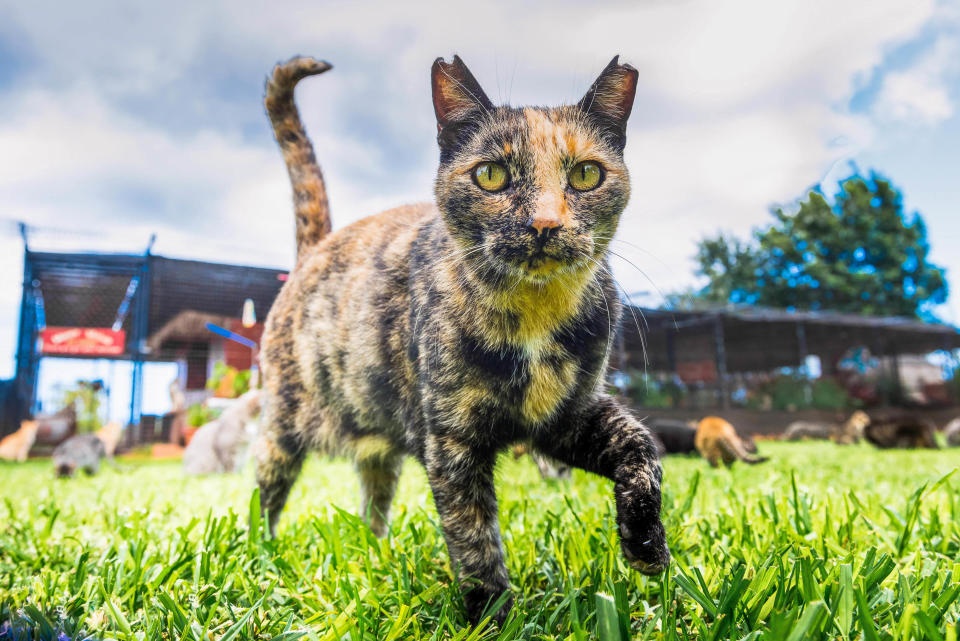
(827, 394)
(821, 543)
(239, 379)
(199, 414)
(649, 391)
(241, 383)
(86, 397)
(862, 255)
(790, 392)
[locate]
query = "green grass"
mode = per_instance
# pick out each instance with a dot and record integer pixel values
(821, 543)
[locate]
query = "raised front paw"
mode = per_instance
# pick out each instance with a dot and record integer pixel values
(644, 546)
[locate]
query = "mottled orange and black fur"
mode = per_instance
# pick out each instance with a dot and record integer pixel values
(903, 432)
(451, 331)
(717, 440)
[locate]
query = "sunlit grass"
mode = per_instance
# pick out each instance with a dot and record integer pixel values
(821, 543)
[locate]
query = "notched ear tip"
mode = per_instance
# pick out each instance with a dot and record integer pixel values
(441, 64)
(611, 96)
(438, 67)
(625, 68)
(455, 90)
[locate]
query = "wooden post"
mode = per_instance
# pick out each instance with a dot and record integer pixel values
(719, 341)
(952, 360)
(671, 351)
(895, 370)
(802, 355)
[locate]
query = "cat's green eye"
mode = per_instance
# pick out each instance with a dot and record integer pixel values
(490, 176)
(585, 176)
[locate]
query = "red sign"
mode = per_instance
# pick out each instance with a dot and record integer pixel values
(83, 341)
(697, 371)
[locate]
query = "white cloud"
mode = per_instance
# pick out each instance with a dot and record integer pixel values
(919, 94)
(741, 105)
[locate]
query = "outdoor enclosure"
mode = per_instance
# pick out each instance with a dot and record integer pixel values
(135, 308)
(718, 356)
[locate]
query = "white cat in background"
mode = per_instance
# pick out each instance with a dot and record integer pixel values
(222, 444)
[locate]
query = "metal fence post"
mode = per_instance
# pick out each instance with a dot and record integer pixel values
(719, 340)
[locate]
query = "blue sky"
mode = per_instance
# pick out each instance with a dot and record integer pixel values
(118, 120)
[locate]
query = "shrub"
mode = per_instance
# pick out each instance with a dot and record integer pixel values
(229, 382)
(645, 390)
(199, 414)
(86, 397)
(789, 392)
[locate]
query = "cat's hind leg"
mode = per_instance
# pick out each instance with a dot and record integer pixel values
(379, 473)
(279, 454)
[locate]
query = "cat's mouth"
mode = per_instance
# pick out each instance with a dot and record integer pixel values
(541, 264)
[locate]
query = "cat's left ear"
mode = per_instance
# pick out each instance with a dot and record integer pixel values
(610, 99)
(457, 97)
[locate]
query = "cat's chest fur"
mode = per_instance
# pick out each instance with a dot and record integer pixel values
(513, 354)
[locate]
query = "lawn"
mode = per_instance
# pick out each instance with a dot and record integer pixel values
(823, 542)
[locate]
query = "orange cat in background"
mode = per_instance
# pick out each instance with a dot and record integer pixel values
(16, 446)
(110, 434)
(717, 440)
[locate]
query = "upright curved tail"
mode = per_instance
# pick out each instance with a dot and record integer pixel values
(309, 192)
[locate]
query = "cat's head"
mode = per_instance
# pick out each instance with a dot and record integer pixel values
(29, 427)
(532, 192)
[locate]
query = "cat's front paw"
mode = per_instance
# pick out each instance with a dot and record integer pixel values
(479, 600)
(645, 547)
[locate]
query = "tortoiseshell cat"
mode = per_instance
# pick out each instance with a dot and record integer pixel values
(448, 332)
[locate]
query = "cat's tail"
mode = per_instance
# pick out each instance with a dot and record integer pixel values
(734, 449)
(309, 193)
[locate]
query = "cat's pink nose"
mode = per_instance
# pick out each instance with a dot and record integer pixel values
(545, 223)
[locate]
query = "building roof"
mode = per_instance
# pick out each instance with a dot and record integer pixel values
(762, 339)
(212, 288)
(87, 290)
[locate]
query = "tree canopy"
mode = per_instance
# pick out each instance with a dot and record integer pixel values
(859, 254)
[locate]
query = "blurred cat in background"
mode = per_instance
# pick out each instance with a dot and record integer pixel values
(16, 446)
(80, 452)
(110, 434)
(717, 440)
(550, 468)
(222, 444)
(952, 432)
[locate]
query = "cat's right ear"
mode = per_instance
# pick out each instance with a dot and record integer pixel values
(457, 97)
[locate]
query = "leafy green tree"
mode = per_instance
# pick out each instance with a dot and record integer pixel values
(860, 254)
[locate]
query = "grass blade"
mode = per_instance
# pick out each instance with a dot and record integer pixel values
(608, 621)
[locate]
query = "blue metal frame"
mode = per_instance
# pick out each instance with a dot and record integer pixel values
(28, 358)
(138, 336)
(27, 361)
